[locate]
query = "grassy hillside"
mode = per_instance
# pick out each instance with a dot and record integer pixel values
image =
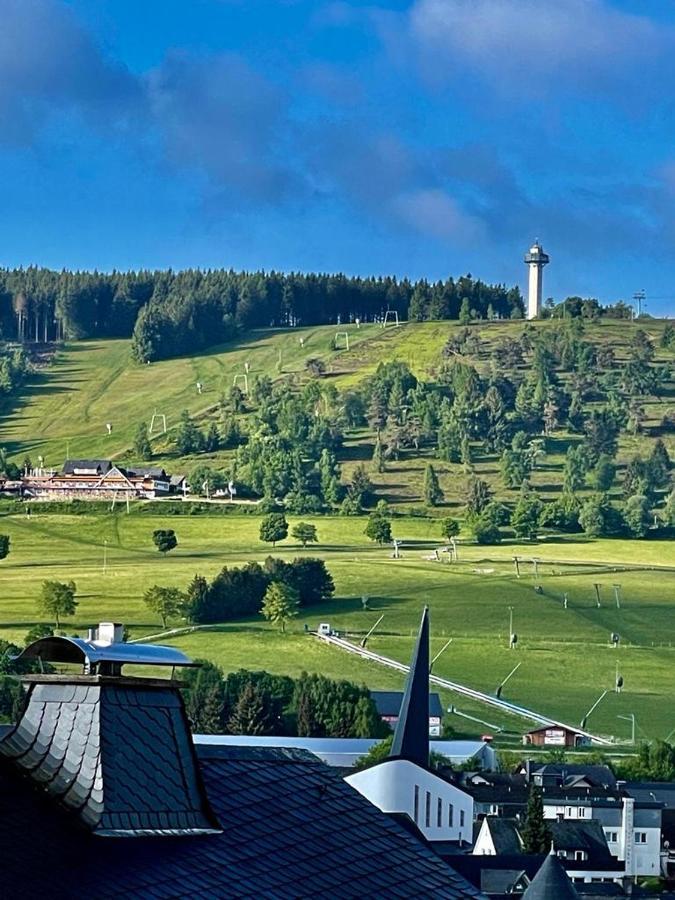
(64, 409)
(567, 659)
(66, 406)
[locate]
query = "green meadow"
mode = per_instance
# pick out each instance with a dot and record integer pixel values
(566, 655)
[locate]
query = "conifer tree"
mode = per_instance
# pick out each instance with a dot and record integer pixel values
(249, 714)
(536, 834)
(142, 446)
(433, 495)
(378, 456)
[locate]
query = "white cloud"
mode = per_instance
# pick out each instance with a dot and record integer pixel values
(525, 42)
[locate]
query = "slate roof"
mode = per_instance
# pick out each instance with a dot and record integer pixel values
(502, 881)
(551, 883)
(292, 828)
(116, 753)
(652, 792)
(147, 472)
(100, 465)
(491, 787)
(568, 835)
(570, 773)
(473, 867)
(572, 834)
(505, 835)
(388, 703)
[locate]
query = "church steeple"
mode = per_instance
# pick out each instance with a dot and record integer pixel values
(411, 737)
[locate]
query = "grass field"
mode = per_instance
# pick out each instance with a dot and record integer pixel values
(567, 660)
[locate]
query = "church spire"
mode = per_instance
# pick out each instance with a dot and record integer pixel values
(411, 737)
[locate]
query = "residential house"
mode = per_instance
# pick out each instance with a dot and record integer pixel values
(555, 736)
(388, 705)
(580, 846)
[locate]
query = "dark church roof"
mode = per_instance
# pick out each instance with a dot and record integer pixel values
(388, 703)
(292, 828)
(411, 735)
(551, 883)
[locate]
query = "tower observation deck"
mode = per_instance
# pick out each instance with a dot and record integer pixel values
(536, 259)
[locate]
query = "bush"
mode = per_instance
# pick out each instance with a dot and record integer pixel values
(485, 532)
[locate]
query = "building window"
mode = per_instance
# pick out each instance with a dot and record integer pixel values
(612, 837)
(416, 804)
(439, 813)
(451, 810)
(461, 818)
(569, 812)
(640, 837)
(427, 810)
(494, 809)
(579, 855)
(582, 812)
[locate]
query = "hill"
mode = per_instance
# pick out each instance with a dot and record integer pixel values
(425, 388)
(64, 409)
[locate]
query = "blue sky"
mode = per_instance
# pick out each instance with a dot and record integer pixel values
(420, 138)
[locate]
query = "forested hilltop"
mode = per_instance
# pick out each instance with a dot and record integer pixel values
(174, 313)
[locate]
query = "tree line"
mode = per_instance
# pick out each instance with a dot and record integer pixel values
(170, 313)
(259, 703)
(243, 592)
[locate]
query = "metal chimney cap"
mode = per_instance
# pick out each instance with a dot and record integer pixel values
(91, 653)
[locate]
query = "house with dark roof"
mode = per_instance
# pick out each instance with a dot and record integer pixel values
(662, 792)
(494, 793)
(631, 822)
(404, 783)
(103, 793)
(580, 775)
(388, 705)
(100, 479)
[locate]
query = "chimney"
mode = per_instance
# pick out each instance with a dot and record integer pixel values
(109, 633)
(115, 750)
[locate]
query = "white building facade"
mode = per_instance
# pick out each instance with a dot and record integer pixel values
(441, 811)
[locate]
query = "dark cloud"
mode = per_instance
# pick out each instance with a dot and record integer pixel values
(49, 63)
(393, 183)
(218, 115)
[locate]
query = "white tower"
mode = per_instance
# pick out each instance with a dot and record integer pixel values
(536, 259)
